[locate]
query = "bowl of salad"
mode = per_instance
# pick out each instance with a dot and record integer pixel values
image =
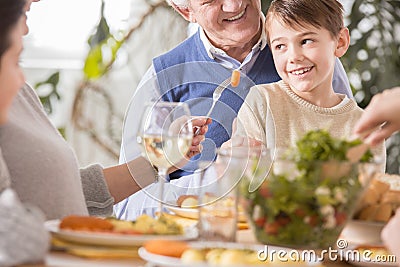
(310, 193)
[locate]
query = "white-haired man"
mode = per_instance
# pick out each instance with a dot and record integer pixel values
(230, 37)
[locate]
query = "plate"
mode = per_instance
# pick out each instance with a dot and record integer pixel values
(193, 213)
(166, 261)
(363, 232)
(357, 258)
(160, 260)
(190, 213)
(111, 239)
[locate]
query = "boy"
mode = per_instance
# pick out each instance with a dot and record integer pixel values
(305, 37)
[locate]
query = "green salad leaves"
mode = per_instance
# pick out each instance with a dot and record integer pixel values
(309, 194)
(319, 145)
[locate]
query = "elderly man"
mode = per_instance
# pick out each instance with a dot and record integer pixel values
(230, 37)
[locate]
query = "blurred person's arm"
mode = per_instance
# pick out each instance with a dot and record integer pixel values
(23, 236)
(391, 235)
(384, 109)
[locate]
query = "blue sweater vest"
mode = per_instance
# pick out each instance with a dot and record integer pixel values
(187, 74)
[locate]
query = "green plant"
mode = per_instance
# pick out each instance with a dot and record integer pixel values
(265, 4)
(96, 64)
(372, 61)
(51, 96)
(104, 46)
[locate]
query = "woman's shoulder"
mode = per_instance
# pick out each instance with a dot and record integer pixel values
(28, 92)
(28, 95)
(4, 174)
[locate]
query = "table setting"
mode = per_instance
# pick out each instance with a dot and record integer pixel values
(254, 206)
(88, 253)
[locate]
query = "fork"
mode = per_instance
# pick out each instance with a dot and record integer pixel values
(216, 95)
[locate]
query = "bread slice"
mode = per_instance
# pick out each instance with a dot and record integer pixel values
(188, 201)
(383, 212)
(371, 196)
(392, 179)
(368, 213)
(391, 197)
(380, 187)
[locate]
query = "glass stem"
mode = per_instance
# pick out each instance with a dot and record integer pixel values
(162, 177)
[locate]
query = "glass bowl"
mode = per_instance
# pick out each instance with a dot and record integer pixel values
(306, 209)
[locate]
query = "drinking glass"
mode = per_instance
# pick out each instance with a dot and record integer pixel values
(220, 209)
(165, 136)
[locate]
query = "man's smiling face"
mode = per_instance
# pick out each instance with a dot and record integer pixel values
(227, 22)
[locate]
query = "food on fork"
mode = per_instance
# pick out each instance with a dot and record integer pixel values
(235, 78)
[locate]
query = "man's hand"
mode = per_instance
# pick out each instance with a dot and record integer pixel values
(200, 124)
(200, 128)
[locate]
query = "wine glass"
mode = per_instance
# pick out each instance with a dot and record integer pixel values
(165, 136)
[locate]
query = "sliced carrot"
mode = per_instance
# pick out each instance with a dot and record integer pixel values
(170, 248)
(235, 78)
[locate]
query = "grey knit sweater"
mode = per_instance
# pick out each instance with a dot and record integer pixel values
(43, 169)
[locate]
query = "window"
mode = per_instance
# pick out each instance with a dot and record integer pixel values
(59, 30)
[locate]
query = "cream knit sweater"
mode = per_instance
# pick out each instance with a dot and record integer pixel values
(274, 114)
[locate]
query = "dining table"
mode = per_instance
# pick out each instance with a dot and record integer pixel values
(59, 258)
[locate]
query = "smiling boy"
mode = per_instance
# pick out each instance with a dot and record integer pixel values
(305, 37)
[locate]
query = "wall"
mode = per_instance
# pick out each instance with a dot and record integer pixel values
(162, 31)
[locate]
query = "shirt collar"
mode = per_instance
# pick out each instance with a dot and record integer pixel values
(263, 38)
(212, 51)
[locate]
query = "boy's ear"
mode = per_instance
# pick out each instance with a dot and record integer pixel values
(343, 42)
(185, 12)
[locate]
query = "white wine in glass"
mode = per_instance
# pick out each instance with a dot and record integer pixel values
(165, 136)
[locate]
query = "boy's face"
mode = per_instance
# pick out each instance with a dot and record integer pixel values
(11, 76)
(305, 57)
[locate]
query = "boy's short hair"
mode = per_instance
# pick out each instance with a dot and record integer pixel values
(327, 14)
